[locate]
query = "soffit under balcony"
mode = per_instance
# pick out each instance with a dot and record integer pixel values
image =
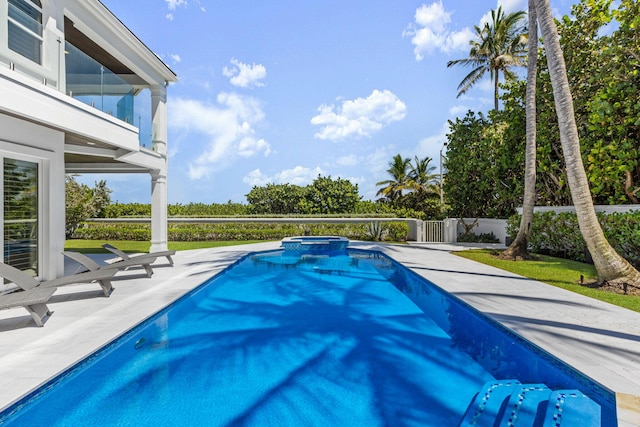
(97, 53)
(83, 156)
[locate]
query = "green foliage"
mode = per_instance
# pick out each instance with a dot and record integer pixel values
(499, 45)
(368, 207)
(412, 187)
(240, 231)
(83, 202)
(127, 210)
(278, 199)
(603, 74)
(376, 231)
(478, 238)
(485, 164)
(328, 196)
(197, 210)
(558, 234)
(323, 196)
(603, 69)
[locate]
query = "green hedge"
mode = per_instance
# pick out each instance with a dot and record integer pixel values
(192, 232)
(363, 209)
(558, 234)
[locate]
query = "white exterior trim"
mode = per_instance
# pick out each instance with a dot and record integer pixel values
(40, 120)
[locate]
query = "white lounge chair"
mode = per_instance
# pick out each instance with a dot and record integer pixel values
(123, 256)
(93, 266)
(34, 300)
(26, 282)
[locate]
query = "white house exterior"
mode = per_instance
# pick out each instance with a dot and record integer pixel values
(79, 93)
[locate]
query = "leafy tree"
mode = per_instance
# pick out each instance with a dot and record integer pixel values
(612, 269)
(485, 162)
(613, 113)
(499, 46)
(395, 187)
(323, 196)
(581, 44)
(328, 196)
(83, 202)
(276, 199)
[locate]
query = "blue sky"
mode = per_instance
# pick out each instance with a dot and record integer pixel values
(281, 91)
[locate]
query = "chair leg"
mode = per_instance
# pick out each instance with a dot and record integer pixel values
(39, 312)
(107, 287)
(148, 269)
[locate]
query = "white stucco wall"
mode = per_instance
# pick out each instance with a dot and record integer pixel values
(28, 141)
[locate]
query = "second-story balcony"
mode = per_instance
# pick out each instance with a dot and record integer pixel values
(94, 84)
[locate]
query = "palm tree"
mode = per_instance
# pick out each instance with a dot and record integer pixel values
(499, 46)
(399, 182)
(518, 248)
(422, 178)
(613, 270)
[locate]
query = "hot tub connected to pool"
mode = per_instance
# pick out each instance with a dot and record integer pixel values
(293, 337)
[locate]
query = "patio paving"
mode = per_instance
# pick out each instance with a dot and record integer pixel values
(599, 339)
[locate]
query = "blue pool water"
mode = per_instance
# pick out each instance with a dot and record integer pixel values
(282, 339)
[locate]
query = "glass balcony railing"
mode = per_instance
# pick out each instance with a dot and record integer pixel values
(93, 84)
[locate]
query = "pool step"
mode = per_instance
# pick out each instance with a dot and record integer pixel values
(508, 403)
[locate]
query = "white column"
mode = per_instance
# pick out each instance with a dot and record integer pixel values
(159, 199)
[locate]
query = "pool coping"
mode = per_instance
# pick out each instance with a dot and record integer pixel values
(599, 339)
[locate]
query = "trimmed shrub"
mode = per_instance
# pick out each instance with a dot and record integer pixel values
(193, 232)
(478, 238)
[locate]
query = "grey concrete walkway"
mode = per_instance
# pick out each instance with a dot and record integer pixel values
(601, 340)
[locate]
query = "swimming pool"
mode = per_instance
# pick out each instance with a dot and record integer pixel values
(292, 340)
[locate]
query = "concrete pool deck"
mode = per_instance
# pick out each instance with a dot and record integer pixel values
(601, 340)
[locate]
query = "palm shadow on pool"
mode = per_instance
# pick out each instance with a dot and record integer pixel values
(321, 352)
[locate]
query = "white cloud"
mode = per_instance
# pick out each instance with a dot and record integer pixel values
(172, 5)
(249, 147)
(298, 175)
(350, 160)
(457, 110)
(245, 75)
(361, 117)
(228, 130)
(173, 57)
(431, 32)
(431, 145)
(508, 6)
(256, 177)
(433, 16)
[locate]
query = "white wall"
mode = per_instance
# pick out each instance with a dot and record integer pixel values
(487, 225)
(46, 146)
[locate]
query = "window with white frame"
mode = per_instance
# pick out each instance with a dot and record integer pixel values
(25, 28)
(20, 209)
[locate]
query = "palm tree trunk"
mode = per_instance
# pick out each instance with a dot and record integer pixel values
(518, 248)
(613, 270)
(496, 87)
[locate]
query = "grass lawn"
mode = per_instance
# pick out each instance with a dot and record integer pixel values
(95, 246)
(558, 272)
